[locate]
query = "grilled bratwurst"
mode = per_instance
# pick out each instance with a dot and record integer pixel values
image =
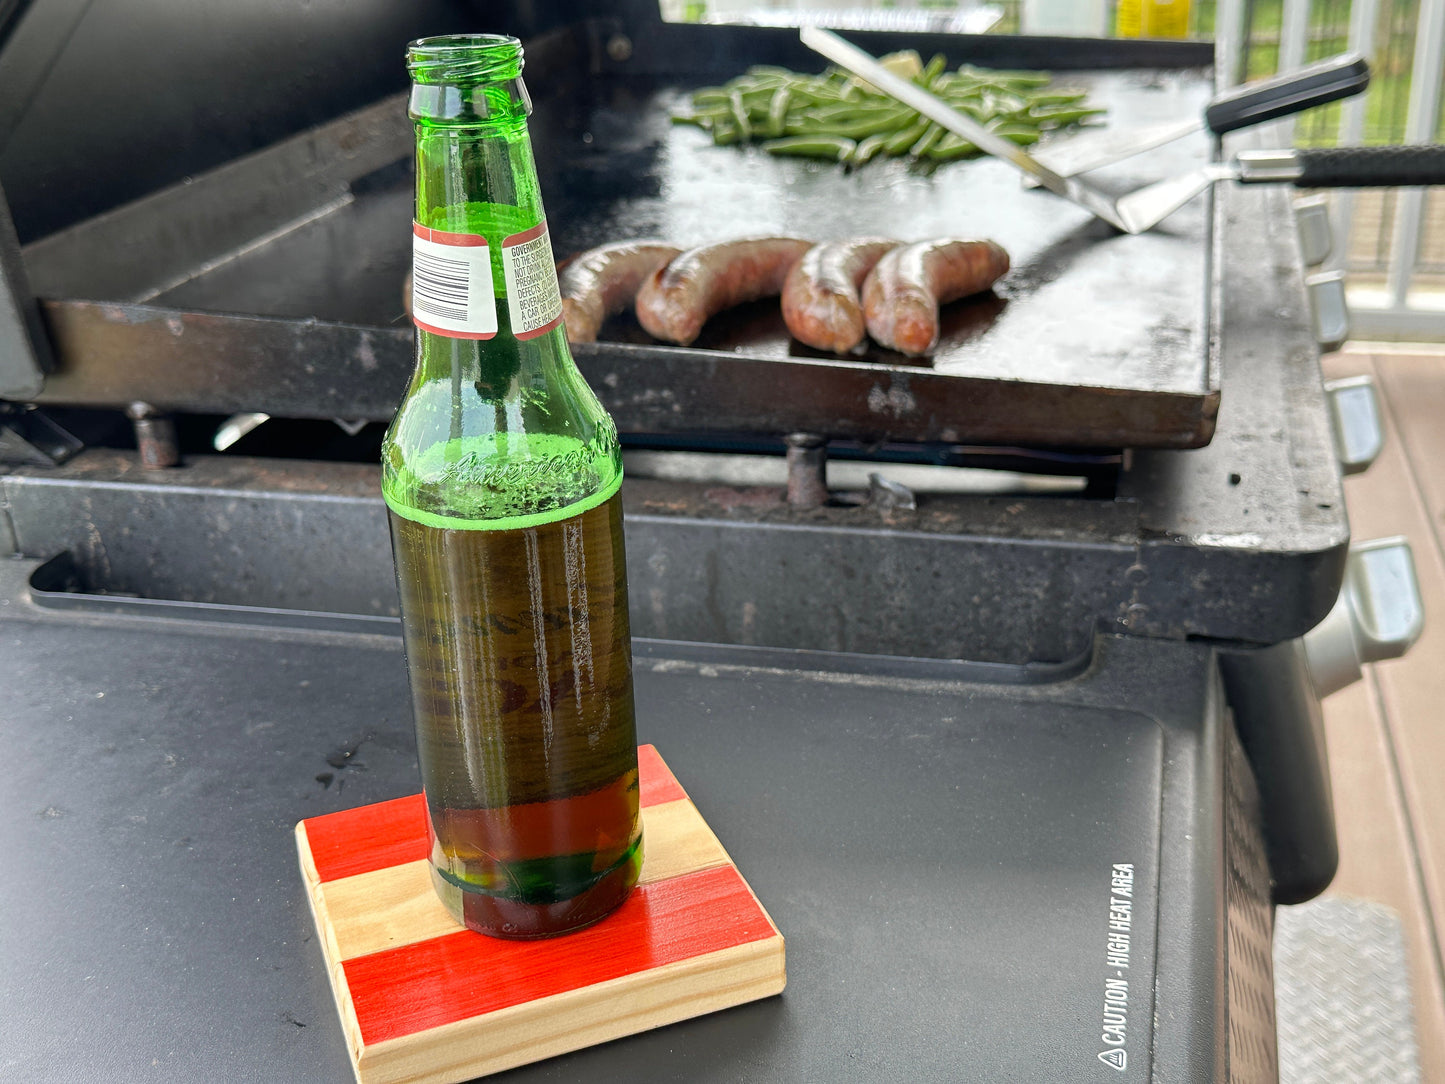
(903, 292)
(603, 281)
(675, 301)
(820, 297)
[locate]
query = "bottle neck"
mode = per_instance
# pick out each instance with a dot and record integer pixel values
(497, 428)
(474, 168)
(484, 300)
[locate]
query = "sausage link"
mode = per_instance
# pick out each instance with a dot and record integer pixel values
(675, 301)
(820, 296)
(603, 281)
(902, 294)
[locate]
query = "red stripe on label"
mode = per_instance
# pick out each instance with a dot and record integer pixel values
(442, 237)
(371, 837)
(524, 335)
(455, 334)
(464, 975)
(526, 235)
(385, 834)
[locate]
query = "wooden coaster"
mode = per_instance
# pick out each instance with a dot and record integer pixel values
(423, 999)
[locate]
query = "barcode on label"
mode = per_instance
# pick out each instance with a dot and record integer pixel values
(442, 286)
(452, 284)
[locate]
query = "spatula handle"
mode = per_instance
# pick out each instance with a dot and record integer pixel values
(1371, 167)
(1344, 167)
(1254, 103)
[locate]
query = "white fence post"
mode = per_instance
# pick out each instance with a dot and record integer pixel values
(1363, 14)
(1421, 120)
(1294, 34)
(1230, 40)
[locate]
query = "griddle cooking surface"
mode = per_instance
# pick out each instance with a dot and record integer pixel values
(1083, 305)
(1094, 339)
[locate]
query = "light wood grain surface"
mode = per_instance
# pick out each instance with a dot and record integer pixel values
(1387, 745)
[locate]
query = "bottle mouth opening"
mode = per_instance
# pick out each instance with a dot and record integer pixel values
(464, 58)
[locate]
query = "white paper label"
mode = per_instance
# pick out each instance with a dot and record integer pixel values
(451, 291)
(534, 300)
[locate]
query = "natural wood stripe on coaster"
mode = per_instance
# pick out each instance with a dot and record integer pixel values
(422, 999)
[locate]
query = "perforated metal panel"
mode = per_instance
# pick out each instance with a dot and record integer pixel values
(1253, 1055)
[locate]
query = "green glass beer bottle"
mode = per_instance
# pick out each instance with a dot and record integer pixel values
(502, 476)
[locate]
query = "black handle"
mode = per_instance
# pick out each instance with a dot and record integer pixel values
(1254, 103)
(1371, 167)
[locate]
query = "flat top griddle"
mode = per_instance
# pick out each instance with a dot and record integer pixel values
(1093, 340)
(1082, 304)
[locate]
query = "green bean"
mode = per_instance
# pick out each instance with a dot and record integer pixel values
(833, 148)
(852, 110)
(953, 83)
(740, 117)
(900, 141)
(850, 114)
(778, 111)
(725, 132)
(1057, 97)
(836, 116)
(757, 99)
(847, 122)
(997, 101)
(816, 92)
(868, 126)
(1057, 118)
(867, 148)
(702, 116)
(951, 148)
(932, 70)
(960, 94)
(931, 135)
(1022, 134)
(1020, 79)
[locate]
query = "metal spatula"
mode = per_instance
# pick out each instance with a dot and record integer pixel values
(1332, 167)
(1242, 107)
(1098, 203)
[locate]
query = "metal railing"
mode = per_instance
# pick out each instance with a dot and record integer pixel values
(1390, 242)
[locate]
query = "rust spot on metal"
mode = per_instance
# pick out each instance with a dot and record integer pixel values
(730, 497)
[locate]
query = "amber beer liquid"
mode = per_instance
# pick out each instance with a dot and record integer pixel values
(502, 475)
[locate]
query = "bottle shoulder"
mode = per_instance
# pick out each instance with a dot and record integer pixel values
(479, 462)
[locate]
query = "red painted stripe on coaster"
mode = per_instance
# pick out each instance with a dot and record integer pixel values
(374, 837)
(656, 782)
(463, 975)
(368, 838)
